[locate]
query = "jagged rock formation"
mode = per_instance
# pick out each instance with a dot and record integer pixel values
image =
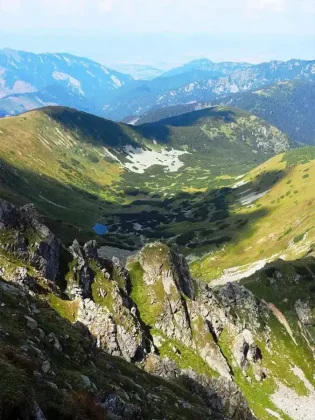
(27, 238)
(124, 332)
(103, 296)
(208, 341)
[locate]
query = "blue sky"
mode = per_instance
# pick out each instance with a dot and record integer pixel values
(162, 32)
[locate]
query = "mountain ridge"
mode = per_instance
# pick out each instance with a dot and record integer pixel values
(214, 69)
(105, 167)
(206, 344)
(211, 89)
(27, 73)
(91, 87)
(287, 105)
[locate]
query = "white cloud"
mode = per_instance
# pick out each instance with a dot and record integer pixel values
(106, 6)
(163, 16)
(62, 7)
(267, 5)
(308, 6)
(10, 6)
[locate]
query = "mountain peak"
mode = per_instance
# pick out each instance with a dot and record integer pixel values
(14, 54)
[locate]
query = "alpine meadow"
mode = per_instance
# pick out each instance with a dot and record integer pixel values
(157, 210)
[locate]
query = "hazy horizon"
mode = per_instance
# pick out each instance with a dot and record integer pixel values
(162, 34)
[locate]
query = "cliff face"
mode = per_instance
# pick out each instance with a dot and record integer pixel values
(209, 346)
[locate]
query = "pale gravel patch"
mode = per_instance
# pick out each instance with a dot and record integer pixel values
(117, 83)
(109, 252)
(252, 197)
(296, 406)
(281, 318)
(300, 374)
(244, 192)
(111, 155)
(274, 414)
(134, 121)
(299, 247)
(240, 184)
(137, 226)
(238, 273)
(58, 75)
(51, 202)
(142, 159)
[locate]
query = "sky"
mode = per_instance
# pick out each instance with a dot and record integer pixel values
(162, 33)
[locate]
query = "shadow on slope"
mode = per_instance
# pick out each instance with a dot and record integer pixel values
(69, 211)
(90, 128)
(198, 117)
(66, 396)
(160, 130)
(290, 286)
(193, 222)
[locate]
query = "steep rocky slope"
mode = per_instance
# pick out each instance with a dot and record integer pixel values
(53, 368)
(208, 343)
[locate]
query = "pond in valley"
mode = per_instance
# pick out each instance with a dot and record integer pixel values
(100, 229)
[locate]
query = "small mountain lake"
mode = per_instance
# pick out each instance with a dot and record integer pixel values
(100, 229)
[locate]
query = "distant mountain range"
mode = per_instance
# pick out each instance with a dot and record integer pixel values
(139, 71)
(289, 106)
(29, 81)
(216, 69)
(200, 85)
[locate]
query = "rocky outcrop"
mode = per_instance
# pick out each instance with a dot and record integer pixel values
(104, 304)
(220, 395)
(154, 314)
(121, 308)
(160, 263)
(22, 234)
(304, 313)
(247, 353)
(48, 375)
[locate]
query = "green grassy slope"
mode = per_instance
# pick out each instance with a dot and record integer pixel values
(72, 165)
(282, 191)
(287, 105)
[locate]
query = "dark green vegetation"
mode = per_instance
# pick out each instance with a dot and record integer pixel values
(56, 159)
(290, 106)
(155, 115)
(299, 156)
